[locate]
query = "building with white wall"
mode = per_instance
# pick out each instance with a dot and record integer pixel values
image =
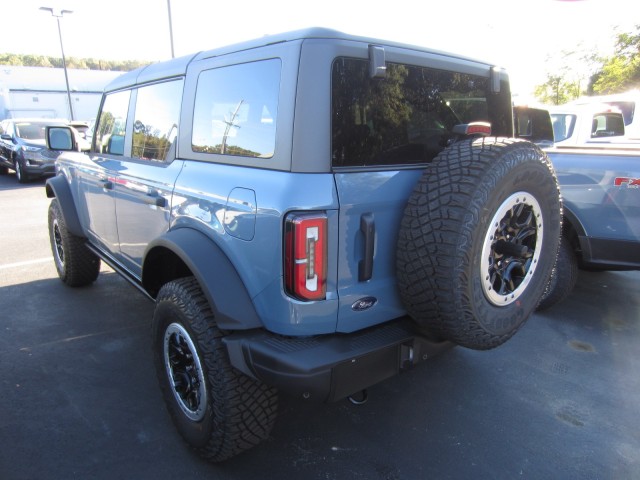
(41, 92)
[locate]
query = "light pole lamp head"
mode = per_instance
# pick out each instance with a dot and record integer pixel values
(56, 12)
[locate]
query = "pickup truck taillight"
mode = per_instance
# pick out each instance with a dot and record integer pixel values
(305, 255)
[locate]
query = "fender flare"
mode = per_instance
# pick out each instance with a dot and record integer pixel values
(569, 217)
(218, 278)
(58, 187)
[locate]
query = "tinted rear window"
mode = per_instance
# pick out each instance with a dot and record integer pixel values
(407, 117)
(607, 125)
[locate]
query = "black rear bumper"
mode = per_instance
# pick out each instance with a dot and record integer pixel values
(331, 367)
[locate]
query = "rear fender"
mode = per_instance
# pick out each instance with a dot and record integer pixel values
(58, 187)
(571, 222)
(218, 278)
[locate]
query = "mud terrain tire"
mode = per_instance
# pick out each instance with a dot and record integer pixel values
(77, 266)
(478, 240)
(217, 410)
(563, 278)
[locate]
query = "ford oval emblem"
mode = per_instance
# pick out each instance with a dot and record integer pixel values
(364, 304)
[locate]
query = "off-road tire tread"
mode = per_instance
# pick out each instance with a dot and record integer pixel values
(563, 278)
(82, 266)
(435, 236)
(21, 174)
(244, 410)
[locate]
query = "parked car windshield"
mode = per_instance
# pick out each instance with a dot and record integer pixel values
(33, 130)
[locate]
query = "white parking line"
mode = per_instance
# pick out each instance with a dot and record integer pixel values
(22, 264)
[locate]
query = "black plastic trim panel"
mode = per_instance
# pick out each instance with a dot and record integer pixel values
(331, 367)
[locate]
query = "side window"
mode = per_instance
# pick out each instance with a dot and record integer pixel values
(156, 121)
(6, 128)
(110, 133)
(563, 125)
(236, 110)
(607, 125)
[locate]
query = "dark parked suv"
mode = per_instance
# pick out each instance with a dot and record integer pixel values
(311, 213)
(23, 148)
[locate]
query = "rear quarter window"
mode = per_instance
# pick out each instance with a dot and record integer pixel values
(236, 110)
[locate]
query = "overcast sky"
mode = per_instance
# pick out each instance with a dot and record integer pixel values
(516, 34)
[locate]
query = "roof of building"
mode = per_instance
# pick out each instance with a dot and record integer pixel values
(52, 79)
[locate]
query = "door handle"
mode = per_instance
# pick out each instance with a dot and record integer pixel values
(107, 184)
(155, 199)
(368, 229)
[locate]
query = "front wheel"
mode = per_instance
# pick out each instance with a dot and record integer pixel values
(478, 240)
(21, 174)
(216, 409)
(77, 266)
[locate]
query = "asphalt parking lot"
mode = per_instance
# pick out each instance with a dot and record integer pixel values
(79, 397)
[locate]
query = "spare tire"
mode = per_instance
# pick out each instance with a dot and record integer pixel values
(478, 240)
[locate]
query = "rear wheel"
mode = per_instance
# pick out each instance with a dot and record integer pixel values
(478, 240)
(563, 278)
(77, 266)
(217, 410)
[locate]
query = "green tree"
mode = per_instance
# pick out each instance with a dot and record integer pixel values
(568, 75)
(72, 62)
(621, 71)
(36, 61)
(556, 90)
(10, 59)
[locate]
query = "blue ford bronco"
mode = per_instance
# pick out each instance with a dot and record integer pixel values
(311, 213)
(600, 188)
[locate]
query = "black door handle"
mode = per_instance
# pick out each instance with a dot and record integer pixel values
(155, 199)
(368, 229)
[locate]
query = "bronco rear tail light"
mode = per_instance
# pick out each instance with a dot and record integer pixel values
(473, 128)
(305, 255)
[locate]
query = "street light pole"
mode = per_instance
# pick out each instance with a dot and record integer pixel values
(58, 14)
(170, 28)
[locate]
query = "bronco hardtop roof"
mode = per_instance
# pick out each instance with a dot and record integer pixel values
(178, 66)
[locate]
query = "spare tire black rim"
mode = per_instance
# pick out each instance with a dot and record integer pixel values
(185, 372)
(511, 248)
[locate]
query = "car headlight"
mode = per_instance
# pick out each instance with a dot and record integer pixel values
(32, 153)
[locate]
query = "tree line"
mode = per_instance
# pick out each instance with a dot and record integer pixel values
(617, 73)
(72, 62)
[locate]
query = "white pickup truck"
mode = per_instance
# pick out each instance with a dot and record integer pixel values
(626, 102)
(587, 124)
